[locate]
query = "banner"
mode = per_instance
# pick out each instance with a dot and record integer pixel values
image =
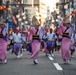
(14, 20)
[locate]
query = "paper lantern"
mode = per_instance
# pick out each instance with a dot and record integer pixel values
(19, 19)
(8, 9)
(23, 14)
(22, 24)
(1, 8)
(17, 16)
(24, 17)
(4, 7)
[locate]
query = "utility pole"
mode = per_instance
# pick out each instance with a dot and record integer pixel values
(74, 17)
(62, 4)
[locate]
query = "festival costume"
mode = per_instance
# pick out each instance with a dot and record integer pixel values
(45, 39)
(3, 47)
(35, 44)
(50, 42)
(17, 43)
(66, 44)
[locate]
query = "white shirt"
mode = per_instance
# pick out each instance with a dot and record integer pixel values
(50, 36)
(17, 37)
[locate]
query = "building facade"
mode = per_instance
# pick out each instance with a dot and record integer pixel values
(31, 7)
(36, 7)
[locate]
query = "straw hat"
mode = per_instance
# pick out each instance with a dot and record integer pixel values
(67, 20)
(35, 21)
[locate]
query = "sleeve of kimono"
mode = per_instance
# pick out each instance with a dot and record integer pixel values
(61, 29)
(70, 32)
(4, 31)
(32, 31)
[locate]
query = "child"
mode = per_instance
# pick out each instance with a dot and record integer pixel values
(17, 43)
(50, 42)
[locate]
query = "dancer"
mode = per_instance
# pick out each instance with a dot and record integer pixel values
(17, 43)
(66, 41)
(35, 44)
(3, 44)
(50, 42)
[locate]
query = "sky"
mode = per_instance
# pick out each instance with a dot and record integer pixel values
(50, 3)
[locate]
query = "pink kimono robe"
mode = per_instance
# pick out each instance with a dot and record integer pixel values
(3, 49)
(60, 30)
(66, 44)
(35, 45)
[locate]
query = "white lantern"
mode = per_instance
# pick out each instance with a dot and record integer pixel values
(24, 17)
(22, 24)
(19, 19)
(56, 20)
(53, 20)
(26, 22)
(17, 16)
(58, 16)
(66, 6)
(23, 13)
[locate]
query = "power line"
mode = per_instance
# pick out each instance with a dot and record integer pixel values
(22, 4)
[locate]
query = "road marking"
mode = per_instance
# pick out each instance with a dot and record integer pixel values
(50, 58)
(58, 67)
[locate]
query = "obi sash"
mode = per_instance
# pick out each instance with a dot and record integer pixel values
(1, 35)
(36, 36)
(65, 34)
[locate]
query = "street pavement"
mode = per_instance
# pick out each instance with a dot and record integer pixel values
(46, 65)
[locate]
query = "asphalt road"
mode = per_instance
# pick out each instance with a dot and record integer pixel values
(46, 65)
